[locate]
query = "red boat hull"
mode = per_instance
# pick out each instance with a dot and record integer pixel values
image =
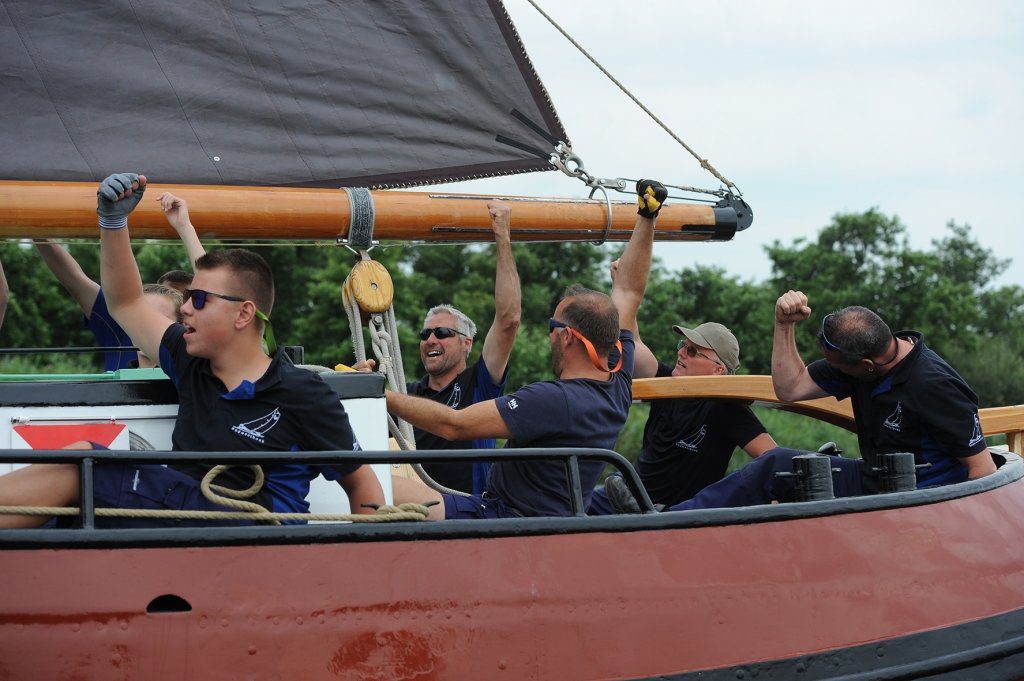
(622, 603)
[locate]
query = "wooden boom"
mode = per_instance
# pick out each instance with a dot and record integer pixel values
(68, 210)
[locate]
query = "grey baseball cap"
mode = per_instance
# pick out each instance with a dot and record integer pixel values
(717, 337)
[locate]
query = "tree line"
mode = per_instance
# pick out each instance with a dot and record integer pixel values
(946, 291)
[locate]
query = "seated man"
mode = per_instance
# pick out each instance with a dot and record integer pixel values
(232, 395)
(905, 399)
(586, 406)
(688, 442)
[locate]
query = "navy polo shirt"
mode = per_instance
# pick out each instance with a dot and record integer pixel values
(109, 334)
(474, 384)
(287, 409)
(577, 412)
(921, 406)
(688, 444)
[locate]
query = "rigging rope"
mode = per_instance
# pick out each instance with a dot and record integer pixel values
(368, 292)
(704, 163)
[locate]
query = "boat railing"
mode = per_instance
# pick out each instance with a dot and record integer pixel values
(1008, 421)
(87, 460)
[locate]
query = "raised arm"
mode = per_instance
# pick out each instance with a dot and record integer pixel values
(645, 364)
(477, 421)
(507, 295)
(790, 377)
(5, 294)
(629, 280)
(119, 273)
(176, 211)
(69, 273)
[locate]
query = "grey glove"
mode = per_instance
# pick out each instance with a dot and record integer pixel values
(114, 212)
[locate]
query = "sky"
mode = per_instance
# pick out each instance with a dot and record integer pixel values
(810, 108)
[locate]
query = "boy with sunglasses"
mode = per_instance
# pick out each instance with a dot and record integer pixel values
(446, 341)
(232, 395)
(687, 443)
(591, 340)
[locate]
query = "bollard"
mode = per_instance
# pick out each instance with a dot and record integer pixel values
(813, 475)
(896, 472)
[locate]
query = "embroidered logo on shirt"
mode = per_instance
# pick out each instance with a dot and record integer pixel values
(512, 404)
(456, 397)
(693, 440)
(893, 420)
(257, 428)
(976, 436)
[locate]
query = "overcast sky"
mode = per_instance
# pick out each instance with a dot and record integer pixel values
(811, 108)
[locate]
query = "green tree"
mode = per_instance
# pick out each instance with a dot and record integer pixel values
(945, 292)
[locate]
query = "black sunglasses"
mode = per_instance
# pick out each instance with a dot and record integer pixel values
(198, 297)
(555, 324)
(823, 339)
(439, 332)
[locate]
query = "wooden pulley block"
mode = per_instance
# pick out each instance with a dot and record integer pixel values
(370, 286)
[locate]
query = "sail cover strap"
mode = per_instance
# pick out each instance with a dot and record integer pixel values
(360, 222)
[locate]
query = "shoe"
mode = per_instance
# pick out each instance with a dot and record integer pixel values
(619, 496)
(830, 449)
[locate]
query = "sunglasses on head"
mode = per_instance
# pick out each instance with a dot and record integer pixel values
(198, 297)
(823, 339)
(439, 332)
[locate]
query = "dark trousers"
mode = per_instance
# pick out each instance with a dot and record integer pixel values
(756, 483)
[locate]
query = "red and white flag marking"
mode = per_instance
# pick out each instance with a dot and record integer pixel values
(58, 435)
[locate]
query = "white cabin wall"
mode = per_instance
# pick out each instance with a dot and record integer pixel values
(155, 423)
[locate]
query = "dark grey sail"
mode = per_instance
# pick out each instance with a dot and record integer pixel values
(267, 92)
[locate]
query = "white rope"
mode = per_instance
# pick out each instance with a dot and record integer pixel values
(383, 328)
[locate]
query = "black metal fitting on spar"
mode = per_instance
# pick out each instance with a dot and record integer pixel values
(897, 472)
(732, 214)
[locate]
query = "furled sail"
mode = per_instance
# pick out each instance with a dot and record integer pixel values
(309, 93)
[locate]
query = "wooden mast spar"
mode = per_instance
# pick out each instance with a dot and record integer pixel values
(68, 210)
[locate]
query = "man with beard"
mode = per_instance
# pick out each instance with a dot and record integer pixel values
(446, 342)
(585, 406)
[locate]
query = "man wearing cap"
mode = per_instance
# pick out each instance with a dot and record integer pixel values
(905, 398)
(687, 442)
